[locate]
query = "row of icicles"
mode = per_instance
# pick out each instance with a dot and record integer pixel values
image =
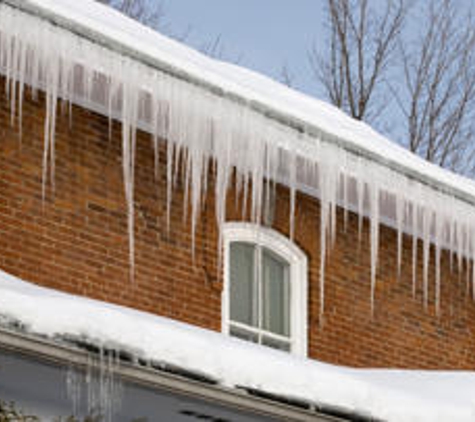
(97, 392)
(242, 145)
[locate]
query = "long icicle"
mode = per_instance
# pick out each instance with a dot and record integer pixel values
(374, 229)
(129, 111)
(426, 230)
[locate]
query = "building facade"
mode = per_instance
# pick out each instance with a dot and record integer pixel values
(75, 239)
(136, 172)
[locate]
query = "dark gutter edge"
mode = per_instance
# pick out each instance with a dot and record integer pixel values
(257, 106)
(44, 349)
(334, 411)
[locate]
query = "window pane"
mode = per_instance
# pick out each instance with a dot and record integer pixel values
(276, 344)
(276, 294)
(244, 334)
(243, 286)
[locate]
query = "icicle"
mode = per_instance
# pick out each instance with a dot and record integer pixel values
(439, 225)
(323, 246)
(154, 135)
(52, 133)
(16, 45)
(451, 243)
(129, 117)
(9, 70)
(466, 255)
(374, 204)
(360, 195)
(186, 183)
(267, 191)
(400, 211)
(415, 224)
(345, 201)
(104, 389)
(46, 148)
(198, 174)
(257, 177)
(245, 190)
(333, 219)
(91, 396)
(21, 81)
(50, 125)
(111, 91)
(170, 155)
(293, 187)
(327, 188)
(74, 381)
(459, 233)
(223, 153)
(426, 230)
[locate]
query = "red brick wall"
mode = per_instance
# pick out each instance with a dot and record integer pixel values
(76, 240)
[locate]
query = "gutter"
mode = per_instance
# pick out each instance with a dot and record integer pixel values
(261, 404)
(260, 107)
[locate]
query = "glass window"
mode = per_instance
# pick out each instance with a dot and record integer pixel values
(265, 289)
(244, 286)
(259, 295)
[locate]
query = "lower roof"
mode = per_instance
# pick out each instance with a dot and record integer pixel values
(392, 395)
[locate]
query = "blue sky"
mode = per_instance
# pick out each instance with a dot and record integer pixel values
(267, 33)
(271, 33)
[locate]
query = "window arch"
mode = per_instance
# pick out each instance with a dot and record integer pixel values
(265, 288)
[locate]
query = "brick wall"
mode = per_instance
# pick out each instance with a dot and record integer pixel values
(76, 241)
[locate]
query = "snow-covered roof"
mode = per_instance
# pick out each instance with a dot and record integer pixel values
(245, 122)
(391, 395)
(108, 27)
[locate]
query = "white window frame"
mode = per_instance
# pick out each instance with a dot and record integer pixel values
(287, 250)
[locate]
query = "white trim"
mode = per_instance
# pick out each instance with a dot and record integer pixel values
(284, 247)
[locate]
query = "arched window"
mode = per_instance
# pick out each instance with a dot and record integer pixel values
(265, 288)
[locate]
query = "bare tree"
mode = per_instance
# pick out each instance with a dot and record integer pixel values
(438, 95)
(153, 14)
(216, 49)
(362, 41)
(432, 82)
(149, 13)
(286, 75)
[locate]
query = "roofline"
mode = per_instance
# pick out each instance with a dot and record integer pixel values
(257, 106)
(62, 353)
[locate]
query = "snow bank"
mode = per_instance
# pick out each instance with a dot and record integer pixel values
(392, 395)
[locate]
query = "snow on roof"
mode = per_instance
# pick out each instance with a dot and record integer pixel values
(106, 25)
(392, 395)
